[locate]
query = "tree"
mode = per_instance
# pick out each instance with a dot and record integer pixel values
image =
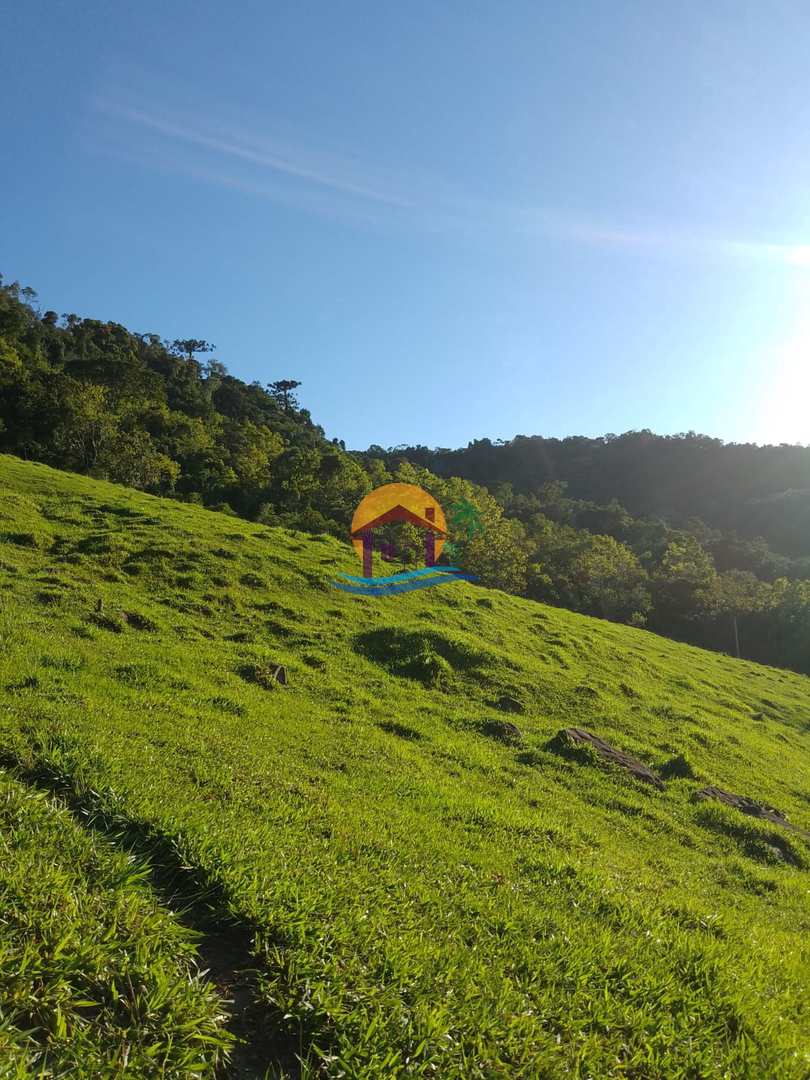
(610, 581)
(342, 483)
(132, 459)
(256, 447)
(789, 623)
(87, 428)
(498, 556)
(377, 472)
(553, 500)
(282, 392)
(295, 478)
(187, 347)
(738, 593)
(10, 363)
(610, 520)
(683, 583)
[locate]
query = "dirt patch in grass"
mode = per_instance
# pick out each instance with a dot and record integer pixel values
(279, 609)
(313, 661)
(22, 539)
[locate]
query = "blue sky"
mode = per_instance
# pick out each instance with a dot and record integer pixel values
(449, 220)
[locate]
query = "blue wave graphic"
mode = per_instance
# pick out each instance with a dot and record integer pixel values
(402, 586)
(404, 575)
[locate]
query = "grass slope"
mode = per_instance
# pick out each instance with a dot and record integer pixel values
(420, 896)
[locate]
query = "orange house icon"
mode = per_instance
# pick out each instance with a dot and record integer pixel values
(398, 502)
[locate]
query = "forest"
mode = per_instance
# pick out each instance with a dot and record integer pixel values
(691, 537)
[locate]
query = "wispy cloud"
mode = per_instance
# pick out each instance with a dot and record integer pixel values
(310, 200)
(242, 155)
(254, 150)
(672, 242)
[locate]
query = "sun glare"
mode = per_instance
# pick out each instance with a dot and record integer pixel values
(782, 414)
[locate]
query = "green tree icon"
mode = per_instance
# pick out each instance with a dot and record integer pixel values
(466, 518)
(451, 551)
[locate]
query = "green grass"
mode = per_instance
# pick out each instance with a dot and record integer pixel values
(425, 893)
(94, 977)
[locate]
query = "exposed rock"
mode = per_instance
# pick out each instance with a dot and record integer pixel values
(750, 807)
(635, 767)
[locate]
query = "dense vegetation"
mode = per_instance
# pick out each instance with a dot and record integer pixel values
(425, 879)
(94, 398)
(697, 540)
(736, 488)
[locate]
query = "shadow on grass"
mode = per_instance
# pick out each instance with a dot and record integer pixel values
(402, 731)
(426, 656)
(263, 1050)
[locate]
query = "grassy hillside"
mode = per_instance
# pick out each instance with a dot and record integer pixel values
(367, 870)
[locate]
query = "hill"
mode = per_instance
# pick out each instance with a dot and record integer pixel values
(740, 488)
(101, 400)
(392, 865)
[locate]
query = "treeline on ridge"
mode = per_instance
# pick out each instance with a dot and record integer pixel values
(691, 537)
